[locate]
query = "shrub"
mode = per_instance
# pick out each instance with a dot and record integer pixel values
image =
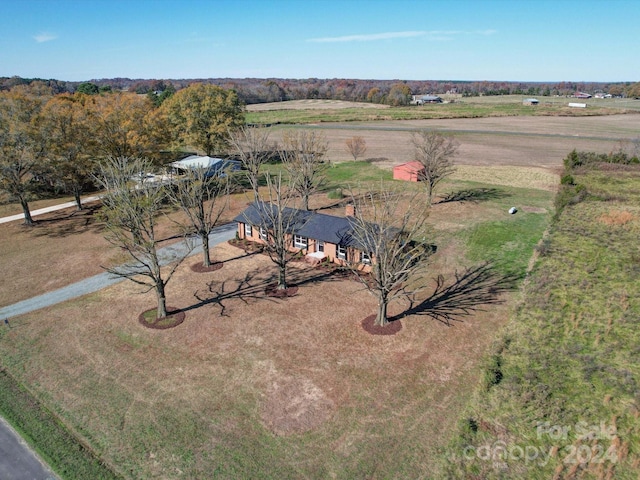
(335, 194)
(567, 179)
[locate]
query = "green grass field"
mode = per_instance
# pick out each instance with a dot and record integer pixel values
(471, 107)
(561, 394)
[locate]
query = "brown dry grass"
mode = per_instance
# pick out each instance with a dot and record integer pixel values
(303, 364)
(617, 217)
(67, 246)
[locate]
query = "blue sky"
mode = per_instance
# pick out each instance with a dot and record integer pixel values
(516, 40)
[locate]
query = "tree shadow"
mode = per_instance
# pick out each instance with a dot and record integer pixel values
(473, 289)
(63, 224)
(252, 287)
(474, 195)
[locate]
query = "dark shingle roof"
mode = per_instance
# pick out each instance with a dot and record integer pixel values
(318, 226)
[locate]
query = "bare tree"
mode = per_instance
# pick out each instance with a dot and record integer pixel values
(356, 146)
(130, 214)
(391, 235)
(303, 155)
(277, 221)
(203, 198)
(252, 146)
(435, 152)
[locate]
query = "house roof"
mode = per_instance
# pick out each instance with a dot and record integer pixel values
(410, 166)
(318, 226)
(196, 161)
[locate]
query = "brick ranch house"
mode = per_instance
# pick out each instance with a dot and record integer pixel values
(318, 236)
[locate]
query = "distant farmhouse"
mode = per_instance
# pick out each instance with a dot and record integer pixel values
(581, 95)
(422, 99)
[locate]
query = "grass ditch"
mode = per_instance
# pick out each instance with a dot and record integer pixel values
(43, 432)
(560, 396)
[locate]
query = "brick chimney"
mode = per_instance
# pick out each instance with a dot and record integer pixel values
(350, 210)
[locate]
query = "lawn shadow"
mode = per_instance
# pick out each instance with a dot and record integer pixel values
(473, 289)
(474, 195)
(64, 223)
(253, 286)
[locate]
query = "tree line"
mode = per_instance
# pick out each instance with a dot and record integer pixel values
(391, 92)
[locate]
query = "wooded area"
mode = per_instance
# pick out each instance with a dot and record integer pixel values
(391, 92)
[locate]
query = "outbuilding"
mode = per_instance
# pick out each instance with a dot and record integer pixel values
(530, 101)
(410, 172)
(211, 165)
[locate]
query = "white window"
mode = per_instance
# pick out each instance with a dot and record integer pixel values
(341, 252)
(263, 234)
(365, 257)
(299, 241)
(319, 246)
(248, 230)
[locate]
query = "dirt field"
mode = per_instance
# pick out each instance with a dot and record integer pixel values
(311, 105)
(516, 141)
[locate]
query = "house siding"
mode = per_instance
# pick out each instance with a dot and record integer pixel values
(330, 249)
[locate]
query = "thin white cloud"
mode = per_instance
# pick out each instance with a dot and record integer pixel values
(44, 37)
(432, 34)
(367, 38)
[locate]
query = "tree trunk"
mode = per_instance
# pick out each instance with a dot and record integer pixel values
(162, 300)
(282, 277)
(205, 251)
(381, 317)
(76, 194)
(305, 202)
(27, 213)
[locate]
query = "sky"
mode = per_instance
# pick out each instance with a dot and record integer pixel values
(510, 40)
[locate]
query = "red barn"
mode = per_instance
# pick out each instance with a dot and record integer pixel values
(411, 171)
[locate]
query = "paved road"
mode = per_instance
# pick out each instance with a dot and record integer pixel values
(53, 208)
(17, 460)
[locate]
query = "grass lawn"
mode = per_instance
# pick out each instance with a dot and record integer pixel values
(254, 387)
(563, 383)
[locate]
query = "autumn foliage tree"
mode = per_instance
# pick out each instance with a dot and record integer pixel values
(65, 127)
(125, 125)
(356, 146)
(202, 115)
(21, 146)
